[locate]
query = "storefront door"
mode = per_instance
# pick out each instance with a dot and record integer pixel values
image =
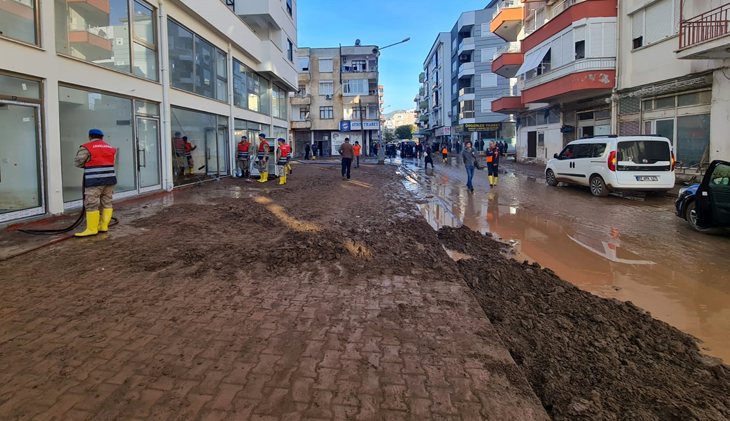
(21, 171)
(148, 154)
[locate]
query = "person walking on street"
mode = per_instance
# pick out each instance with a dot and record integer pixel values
(314, 151)
(493, 164)
(281, 159)
(419, 152)
(307, 150)
(429, 158)
(470, 162)
(98, 159)
(263, 157)
(347, 152)
(356, 149)
(242, 162)
(445, 154)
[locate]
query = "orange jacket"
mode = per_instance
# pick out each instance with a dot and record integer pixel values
(357, 150)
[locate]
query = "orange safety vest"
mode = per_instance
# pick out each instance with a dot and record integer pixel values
(188, 149)
(262, 153)
(179, 145)
(356, 148)
(99, 171)
(445, 151)
(285, 152)
(243, 150)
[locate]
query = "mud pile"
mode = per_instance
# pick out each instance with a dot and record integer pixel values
(586, 357)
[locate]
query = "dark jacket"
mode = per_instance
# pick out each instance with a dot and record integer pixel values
(494, 153)
(346, 151)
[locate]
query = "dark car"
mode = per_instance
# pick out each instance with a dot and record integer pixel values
(707, 205)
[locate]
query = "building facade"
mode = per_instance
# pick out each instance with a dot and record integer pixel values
(143, 72)
(437, 75)
(405, 118)
(338, 97)
(474, 85)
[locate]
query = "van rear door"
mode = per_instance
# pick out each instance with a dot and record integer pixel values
(644, 163)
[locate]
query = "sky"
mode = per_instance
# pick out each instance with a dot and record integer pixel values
(328, 23)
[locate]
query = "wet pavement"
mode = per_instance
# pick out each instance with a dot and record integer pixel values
(629, 248)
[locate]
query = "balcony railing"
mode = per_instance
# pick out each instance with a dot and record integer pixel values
(466, 91)
(511, 47)
(537, 18)
(466, 67)
(466, 42)
(424, 104)
(467, 114)
(705, 27)
(582, 65)
(422, 91)
(359, 69)
(506, 4)
(424, 117)
(422, 78)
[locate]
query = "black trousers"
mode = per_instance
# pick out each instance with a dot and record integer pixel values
(493, 169)
(428, 160)
(346, 164)
(357, 161)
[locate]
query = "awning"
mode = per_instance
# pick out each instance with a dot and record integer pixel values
(533, 60)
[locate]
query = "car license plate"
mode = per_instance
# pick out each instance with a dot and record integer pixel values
(647, 178)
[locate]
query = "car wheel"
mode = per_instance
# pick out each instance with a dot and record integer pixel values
(598, 187)
(690, 214)
(550, 178)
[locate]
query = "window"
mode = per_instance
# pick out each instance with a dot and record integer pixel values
(488, 54)
(544, 65)
(693, 138)
(326, 88)
(358, 112)
(359, 65)
(598, 150)
(303, 64)
(18, 20)
(455, 88)
(195, 64)
(22, 88)
(489, 80)
(667, 102)
(302, 91)
(144, 48)
(325, 65)
(486, 105)
(250, 90)
(289, 50)
(355, 87)
(695, 98)
(303, 113)
(289, 8)
(278, 102)
(326, 113)
(655, 23)
(583, 150)
(580, 50)
(648, 105)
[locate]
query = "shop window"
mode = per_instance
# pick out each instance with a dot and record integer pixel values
(206, 131)
(585, 116)
(80, 111)
(693, 139)
(695, 98)
(195, 64)
(21, 88)
(18, 20)
(648, 105)
(667, 102)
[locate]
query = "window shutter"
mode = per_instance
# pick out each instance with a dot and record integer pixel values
(486, 30)
(595, 35)
(488, 54)
(579, 33)
(637, 25)
(659, 21)
(677, 14)
(325, 65)
(303, 64)
(556, 54)
(568, 49)
(489, 80)
(486, 105)
(609, 39)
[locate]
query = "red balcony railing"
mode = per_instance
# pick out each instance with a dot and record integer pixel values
(705, 27)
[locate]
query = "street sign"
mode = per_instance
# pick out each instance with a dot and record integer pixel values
(345, 126)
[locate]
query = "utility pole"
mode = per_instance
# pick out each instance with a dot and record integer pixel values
(362, 127)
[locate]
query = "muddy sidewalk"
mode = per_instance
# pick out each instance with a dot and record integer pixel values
(322, 299)
(586, 357)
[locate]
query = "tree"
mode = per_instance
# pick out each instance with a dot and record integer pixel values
(404, 132)
(389, 136)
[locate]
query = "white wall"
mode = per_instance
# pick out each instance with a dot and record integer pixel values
(553, 143)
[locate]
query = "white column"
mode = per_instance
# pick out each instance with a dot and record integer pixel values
(720, 116)
(232, 141)
(165, 140)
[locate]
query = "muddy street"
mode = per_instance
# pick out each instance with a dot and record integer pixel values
(628, 248)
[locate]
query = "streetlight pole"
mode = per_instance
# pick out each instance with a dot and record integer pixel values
(381, 149)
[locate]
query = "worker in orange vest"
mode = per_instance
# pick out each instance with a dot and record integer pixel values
(189, 148)
(357, 148)
(242, 163)
(263, 158)
(97, 158)
(282, 159)
(178, 145)
(445, 154)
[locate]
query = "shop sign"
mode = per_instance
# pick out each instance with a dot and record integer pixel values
(479, 127)
(443, 131)
(347, 125)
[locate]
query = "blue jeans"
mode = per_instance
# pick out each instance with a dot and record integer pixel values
(470, 174)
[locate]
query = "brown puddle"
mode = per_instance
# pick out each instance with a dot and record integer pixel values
(600, 267)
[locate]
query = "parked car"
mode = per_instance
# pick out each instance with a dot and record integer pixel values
(707, 205)
(615, 163)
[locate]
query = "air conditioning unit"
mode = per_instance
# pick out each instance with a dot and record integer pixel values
(328, 97)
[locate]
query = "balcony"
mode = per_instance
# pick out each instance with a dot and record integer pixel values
(467, 94)
(349, 72)
(507, 20)
(91, 42)
(508, 105)
(466, 70)
(467, 44)
(465, 20)
(301, 124)
(301, 99)
(466, 117)
(422, 77)
(423, 105)
(541, 23)
(424, 117)
(305, 77)
(595, 74)
(507, 60)
(364, 99)
(705, 36)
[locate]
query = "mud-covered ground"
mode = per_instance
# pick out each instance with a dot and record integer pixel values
(586, 357)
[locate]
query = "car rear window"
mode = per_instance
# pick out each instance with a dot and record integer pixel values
(644, 151)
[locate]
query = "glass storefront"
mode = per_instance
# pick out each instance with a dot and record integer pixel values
(208, 135)
(195, 64)
(252, 130)
(135, 137)
(18, 20)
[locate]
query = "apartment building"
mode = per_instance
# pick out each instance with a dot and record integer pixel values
(673, 77)
(404, 118)
(563, 54)
(143, 72)
(474, 84)
(437, 80)
(338, 97)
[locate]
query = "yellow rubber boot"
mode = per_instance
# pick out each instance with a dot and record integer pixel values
(264, 177)
(285, 179)
(282, 180)
(92, 224)
(106, 218)
(191, 171)
(495, 180)
(491, 180)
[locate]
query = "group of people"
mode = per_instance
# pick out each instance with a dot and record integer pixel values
(471, 163)
(310, 149)
(246, 150)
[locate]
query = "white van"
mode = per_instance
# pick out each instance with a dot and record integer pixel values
(615, 163)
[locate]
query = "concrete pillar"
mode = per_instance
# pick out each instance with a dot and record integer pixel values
(720, 116)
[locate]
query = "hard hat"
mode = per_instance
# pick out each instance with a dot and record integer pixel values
(96, 132)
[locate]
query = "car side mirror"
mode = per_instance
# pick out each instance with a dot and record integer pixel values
(555, 156)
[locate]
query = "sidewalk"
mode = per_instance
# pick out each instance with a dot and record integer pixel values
(322, 299)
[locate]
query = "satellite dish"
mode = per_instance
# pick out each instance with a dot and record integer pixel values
(357, 43)
(375, 50)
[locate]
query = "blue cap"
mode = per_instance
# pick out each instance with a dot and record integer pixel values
(185, 138)
(281, 139)
(262, 135)
(96, 132)
(244, 137)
